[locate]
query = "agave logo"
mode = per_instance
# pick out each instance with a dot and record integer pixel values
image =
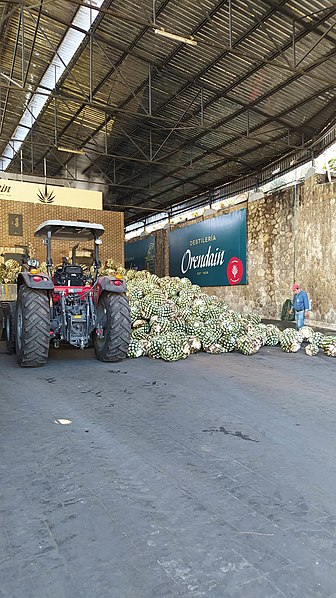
(44, 196)
(235, 270)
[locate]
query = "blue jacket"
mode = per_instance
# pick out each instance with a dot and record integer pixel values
(300, 301)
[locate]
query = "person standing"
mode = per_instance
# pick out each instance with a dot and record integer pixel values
(300, 305)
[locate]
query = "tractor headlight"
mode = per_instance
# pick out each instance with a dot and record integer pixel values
(33, 263)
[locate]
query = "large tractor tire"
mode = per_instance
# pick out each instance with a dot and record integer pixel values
(32, 327)
(2, 325)
(9, 326)
(114, 319)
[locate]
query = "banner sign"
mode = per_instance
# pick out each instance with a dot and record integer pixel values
(212, 252)
(50, 194)
(140, 255)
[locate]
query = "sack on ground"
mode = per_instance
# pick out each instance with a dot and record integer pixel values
(285, 312)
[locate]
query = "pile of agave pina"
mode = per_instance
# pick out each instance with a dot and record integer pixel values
(172, 318)
(9, 271)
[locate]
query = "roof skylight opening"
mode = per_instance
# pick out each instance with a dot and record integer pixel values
(83, 19)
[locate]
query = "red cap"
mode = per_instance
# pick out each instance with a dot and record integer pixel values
(295, 287)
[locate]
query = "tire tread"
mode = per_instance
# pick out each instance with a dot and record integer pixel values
(35, 327)
(118, 334)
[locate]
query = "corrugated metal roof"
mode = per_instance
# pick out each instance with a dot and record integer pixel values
(162, 119)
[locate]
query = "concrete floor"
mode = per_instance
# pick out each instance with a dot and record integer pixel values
(214, 476)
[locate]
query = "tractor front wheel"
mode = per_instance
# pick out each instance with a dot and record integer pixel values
(112, 336)
(32, 327)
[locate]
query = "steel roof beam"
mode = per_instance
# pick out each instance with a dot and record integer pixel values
(11, 77)
(217, 59)
(246, 151)
(103, 81)
(227, 119)
(33, 44)
(46, 74)
(277, 8)
(133, 44)
(234, 84)
(164, 3)
(307, 29)
(188, 142)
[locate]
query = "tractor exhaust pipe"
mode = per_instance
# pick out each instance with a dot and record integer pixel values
(73, 254)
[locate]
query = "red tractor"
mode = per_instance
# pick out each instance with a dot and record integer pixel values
(67, 305)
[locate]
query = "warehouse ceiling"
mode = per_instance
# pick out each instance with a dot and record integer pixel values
(162, 99)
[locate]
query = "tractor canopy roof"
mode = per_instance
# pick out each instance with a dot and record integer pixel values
(69, 231)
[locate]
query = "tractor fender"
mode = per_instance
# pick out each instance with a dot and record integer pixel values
(111, 284)
(45, 284)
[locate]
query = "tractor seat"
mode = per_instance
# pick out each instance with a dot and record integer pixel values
(69, 273)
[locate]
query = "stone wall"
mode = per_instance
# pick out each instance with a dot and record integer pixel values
(316, 247)
(291, 235)
(35, 214)
(162, 252)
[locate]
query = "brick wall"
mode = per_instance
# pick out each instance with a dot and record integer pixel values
(35, 214)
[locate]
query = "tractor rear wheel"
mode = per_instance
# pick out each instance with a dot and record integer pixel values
(2, 324)
(114, 326)
(9, 326)
(32, 327)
